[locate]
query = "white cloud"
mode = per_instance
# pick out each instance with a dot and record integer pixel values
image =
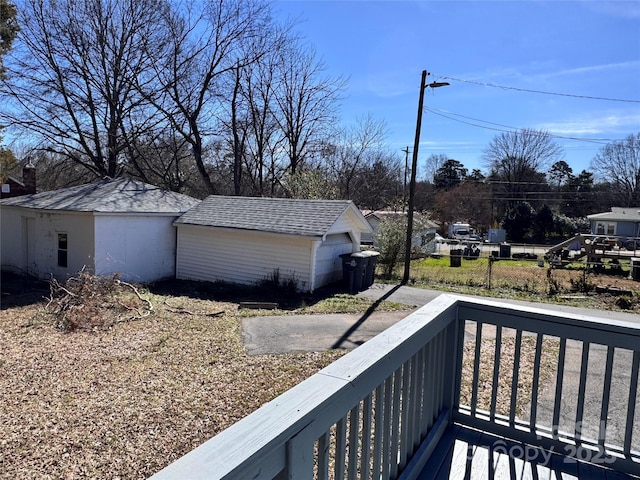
(610, 123)
(618, 8)
(593, 69)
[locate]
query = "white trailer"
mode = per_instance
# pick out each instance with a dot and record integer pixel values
(460, 231)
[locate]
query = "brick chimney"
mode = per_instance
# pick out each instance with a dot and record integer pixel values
(29, 177)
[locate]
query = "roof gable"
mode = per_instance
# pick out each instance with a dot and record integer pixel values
(275, 215)
(108, 196)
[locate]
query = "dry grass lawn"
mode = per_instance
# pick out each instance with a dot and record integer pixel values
(125, 402)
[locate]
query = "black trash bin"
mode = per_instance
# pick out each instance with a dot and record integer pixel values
(505, 250)
(455, 257)
(361, 259)
(370, 269)
(634, 274)
(348, 270)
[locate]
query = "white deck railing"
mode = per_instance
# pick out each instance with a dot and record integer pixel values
(379, 411)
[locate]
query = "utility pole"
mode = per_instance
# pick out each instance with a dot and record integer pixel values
(404, 185)
(412, 183)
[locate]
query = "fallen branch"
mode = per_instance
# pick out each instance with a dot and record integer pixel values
(88, 302)
(189, 312)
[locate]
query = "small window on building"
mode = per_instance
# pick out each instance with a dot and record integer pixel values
(606, 229)
(62, 250)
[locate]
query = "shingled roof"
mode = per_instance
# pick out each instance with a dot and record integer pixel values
(275, 215)
(107, 196)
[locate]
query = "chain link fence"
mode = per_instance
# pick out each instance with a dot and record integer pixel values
(524, 273)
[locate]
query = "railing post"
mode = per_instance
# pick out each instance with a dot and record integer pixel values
(453, 364)
(300, 456)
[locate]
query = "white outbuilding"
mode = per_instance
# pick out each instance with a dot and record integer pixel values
(249, 239)
(112, 226)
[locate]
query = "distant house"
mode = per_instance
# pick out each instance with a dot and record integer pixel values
(424, 230)
(13, 187)
(111, 226)
(249, 239)
(618, 222)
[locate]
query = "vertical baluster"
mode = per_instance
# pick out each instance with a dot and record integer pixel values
(354, 431)
(414, 406)
(557, 403)
(429, 386)
(535, 385)
(341, 445)
(496, 373)
(405, 412)
(386, 448)
(395, 423)
(606, 392)
(582, 388)
(514, 378)
(631, 405)
(323, 457)
(454, 339)
(378, 435)
(420, 374)
(441, 359)
(427, 403)
(476, 369)
(365, 459)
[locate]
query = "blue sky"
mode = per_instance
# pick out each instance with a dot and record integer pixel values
(572, 48)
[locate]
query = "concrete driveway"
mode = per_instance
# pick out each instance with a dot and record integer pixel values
(312, 333)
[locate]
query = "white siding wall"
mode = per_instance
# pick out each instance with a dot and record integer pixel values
(349, 222)
(328, 261)
(140, 247)
(241, 256)
(39, 254)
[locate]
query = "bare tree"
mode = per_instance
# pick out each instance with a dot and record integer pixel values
(380, 186)
(207, 41)
(249, 120)
(618, 163)
(354, 151)
(468, 201)
(432, 164)
(517, 162)
(163, 157)
(306, 102)
(264, 136)
(73, 77)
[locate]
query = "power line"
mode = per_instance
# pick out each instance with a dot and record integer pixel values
(484, 84)
(508, 129)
